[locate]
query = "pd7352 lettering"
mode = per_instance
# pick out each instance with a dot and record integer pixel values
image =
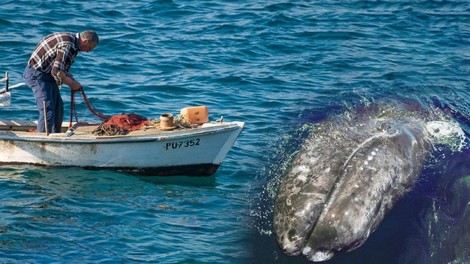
(182, 144)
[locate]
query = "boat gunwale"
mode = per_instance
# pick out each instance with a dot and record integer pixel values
(228, 126)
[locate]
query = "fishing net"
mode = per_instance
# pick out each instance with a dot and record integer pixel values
(121, 124)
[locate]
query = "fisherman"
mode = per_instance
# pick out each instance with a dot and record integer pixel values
(48, 68)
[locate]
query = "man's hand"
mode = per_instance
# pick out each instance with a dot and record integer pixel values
(75, 86)
(70, 81)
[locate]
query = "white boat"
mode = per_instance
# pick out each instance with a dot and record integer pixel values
(195, 151)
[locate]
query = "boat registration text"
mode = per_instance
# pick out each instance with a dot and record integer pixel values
(182, 144)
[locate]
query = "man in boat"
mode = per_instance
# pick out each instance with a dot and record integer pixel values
(48, 68)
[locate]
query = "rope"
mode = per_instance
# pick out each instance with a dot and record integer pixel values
(92, 109)
(109, 130)
(72, 108)
(88, 104)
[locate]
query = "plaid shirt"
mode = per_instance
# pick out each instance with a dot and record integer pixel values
(55, 53)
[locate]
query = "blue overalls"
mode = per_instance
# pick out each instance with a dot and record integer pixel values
(45, 89)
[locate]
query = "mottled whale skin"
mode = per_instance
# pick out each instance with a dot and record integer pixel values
(348, 174)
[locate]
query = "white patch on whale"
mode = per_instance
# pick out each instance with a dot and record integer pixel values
(447, 133)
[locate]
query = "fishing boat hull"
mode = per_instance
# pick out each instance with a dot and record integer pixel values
(195, 151)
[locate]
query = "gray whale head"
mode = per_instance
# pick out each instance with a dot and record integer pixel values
(348, 174)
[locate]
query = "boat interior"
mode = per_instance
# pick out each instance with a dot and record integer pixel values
(118, 125)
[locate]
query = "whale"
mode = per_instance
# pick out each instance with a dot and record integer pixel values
(349, 172)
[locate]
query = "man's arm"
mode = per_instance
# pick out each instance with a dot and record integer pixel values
(59, 70)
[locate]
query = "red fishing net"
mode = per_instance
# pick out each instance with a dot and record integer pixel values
(121, 124)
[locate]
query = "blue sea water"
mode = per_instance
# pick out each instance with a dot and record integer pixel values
(276, 65)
